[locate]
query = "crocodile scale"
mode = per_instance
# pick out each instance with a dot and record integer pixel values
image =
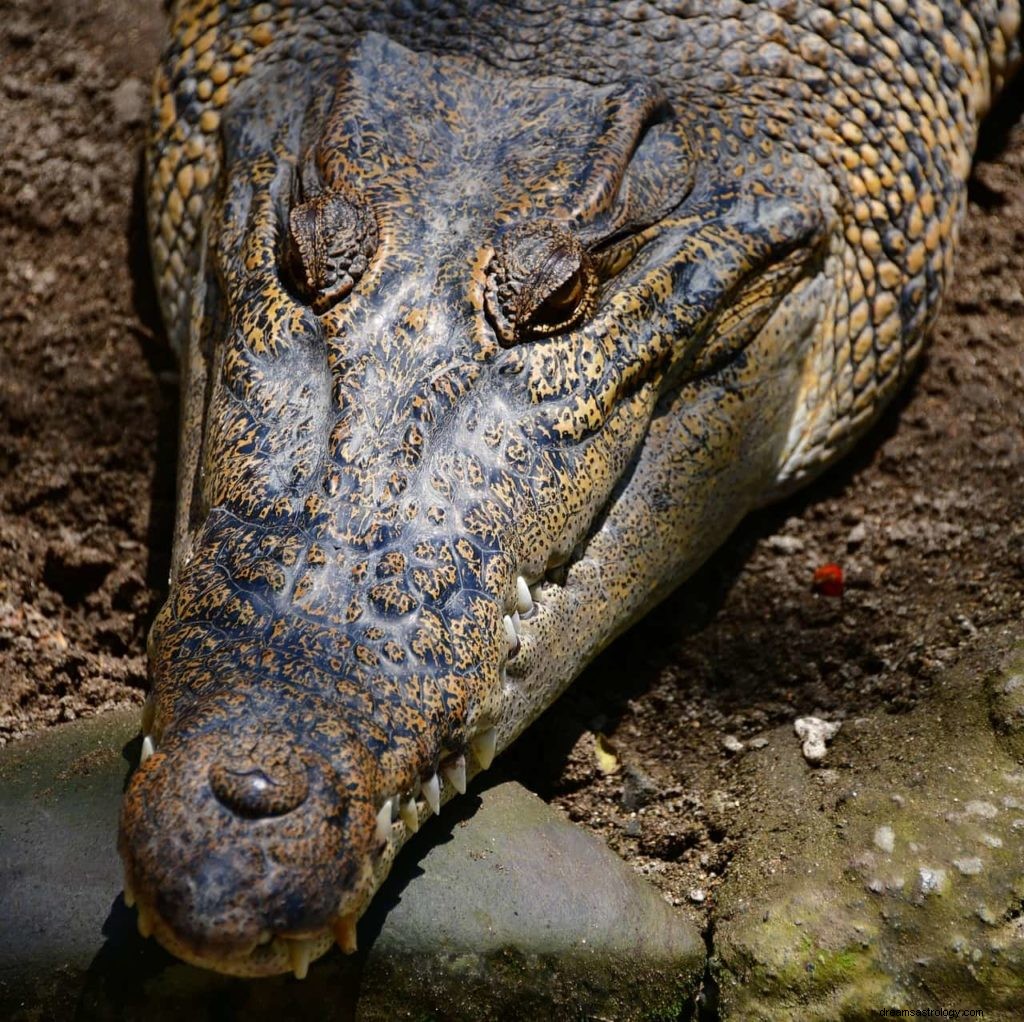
(494, 319)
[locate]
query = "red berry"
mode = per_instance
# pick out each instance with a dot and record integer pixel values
(828, 580)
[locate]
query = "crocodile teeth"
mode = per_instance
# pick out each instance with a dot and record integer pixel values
(300, 952)
(432, 793)
(145, 921)
(524, 600)
(148, 748)
(148, 713)
(344, 928)
(456, 774)
(129, 893)
(410, 816)
(510, 632)
(384, 821)
(483, 747)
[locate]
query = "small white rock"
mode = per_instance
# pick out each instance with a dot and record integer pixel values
(930, 881)
(785, 544)
(856, 536)
(1014, 682)
(815, 734)
(985, 810)
(885, 839)
(130, 102)
(970, 867)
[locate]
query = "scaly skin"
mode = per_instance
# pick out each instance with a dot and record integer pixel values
(527, 297)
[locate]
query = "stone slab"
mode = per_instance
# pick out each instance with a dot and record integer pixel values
(499, 909)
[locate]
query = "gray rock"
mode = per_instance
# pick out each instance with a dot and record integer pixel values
(58, 829)
(548, 924)
(500, 909)
(897, 886)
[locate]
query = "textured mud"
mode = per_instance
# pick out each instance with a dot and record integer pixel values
(924, 519)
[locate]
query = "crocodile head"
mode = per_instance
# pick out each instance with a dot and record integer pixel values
(479, 368)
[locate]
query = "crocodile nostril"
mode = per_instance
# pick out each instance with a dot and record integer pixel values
(258, 789)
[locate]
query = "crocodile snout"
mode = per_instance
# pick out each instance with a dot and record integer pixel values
(277, 839)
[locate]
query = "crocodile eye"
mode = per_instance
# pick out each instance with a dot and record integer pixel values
(541, 281)
(567, 297)
(562, 303)
(568, 304)
(331, 239)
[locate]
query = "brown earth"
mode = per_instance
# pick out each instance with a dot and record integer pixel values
(924, 519)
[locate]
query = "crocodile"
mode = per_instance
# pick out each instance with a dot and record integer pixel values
(494, 320)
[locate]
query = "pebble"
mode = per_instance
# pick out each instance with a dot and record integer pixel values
(129, 102)
(815, 734)
(785, 544)
(930, 881)
(968, 867)
(985, 810)
(638, 788)
(885, 839)
(732, 744)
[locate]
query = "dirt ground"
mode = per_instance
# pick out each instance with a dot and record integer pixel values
(924, 519)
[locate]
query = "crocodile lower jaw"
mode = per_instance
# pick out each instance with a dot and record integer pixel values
(270, 955)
